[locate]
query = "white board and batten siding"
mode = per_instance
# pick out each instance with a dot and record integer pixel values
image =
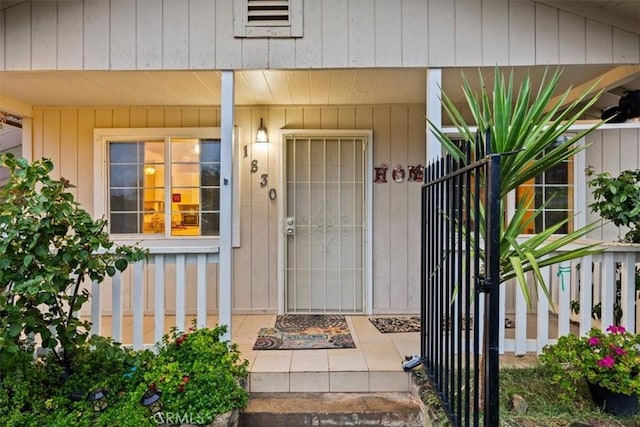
(199, 34)
(66, 136)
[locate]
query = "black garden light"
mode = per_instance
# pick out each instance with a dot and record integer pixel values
(98, 399)
(151, 399)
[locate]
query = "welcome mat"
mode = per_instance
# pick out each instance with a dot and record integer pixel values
(304, 332)
(388, 325)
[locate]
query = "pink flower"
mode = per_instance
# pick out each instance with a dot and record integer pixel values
(594, 341)
(616, 329)
(620, 351)
(606, 362)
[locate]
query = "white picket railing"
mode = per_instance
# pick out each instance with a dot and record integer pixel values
(177, 270)
(589, 281)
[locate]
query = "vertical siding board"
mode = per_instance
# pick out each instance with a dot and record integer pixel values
(546, 35)
(347, 118)
(522, 43)
(398, 213)
(242, 266)
(329, 118)
(282, 52)
(228, 48)
(311, 118)
(202, 34)
(44, 35)
(2, 38)
(275, 120)
(173, 117)
(121, 118)
(308, 48)
(495, 30)
(155, 117)
(415, 39)
(175, 34)
(190, 117)
(96, 35)
(629, 149)
(86, 120)
(335, 16)
(148, 27)
(293, 118)
(38, 135)
(416, 140)
(599, 43)
(69, 149)
(382, 219)
(626, 47)
(362, 42)
(138, 118)
(122, 38)
(571, 38)
(259, 220)
(441, 33)
(18, 37)
(611, 163)
(468, 33)
(388, 32)
(255, 53)
(51, 141)
(70, 34)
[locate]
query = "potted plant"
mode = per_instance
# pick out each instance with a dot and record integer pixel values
(609, 362)
(195, 378)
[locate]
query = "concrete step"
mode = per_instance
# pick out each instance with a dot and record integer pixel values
(332, 409)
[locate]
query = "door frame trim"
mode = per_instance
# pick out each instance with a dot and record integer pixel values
(368, 196)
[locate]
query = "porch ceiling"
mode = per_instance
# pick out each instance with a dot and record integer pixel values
(280, 87)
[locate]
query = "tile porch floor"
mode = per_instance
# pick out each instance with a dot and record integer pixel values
(373, 366)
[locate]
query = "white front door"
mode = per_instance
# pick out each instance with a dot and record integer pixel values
(324, 224)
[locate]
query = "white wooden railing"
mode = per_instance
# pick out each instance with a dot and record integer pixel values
(588, 281)
(171, 282)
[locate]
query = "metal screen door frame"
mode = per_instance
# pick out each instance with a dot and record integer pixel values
(367, 188)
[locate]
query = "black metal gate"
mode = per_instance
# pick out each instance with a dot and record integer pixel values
(460, 283)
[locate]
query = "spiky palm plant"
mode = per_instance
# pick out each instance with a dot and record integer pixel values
(526, 127)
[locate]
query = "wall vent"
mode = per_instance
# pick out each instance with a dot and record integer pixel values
(268, 12)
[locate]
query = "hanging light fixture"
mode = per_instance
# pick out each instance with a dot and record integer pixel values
(261, 135)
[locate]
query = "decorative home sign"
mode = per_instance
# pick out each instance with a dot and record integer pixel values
(398, 173)
(381, 174)
(416, 173)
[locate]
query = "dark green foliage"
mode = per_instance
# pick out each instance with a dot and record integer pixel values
(49, 245)
(618, 200)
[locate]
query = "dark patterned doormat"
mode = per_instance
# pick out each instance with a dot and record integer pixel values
(304, 332)
(390, 325)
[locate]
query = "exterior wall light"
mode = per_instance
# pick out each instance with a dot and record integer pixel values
(261, 135)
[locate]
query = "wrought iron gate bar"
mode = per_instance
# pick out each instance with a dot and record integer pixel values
(460, 277)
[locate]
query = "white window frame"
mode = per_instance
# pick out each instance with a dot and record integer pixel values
(103, 136)
(242, 27)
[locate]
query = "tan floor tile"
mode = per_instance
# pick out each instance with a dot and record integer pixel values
(269, 382)
(254, 322)
(411, 337)
(383, 363)
(272, 362)
(389, 381)
(352, 362)
(309, 382)
(379, 349)
(310, 361)
(407, 348)
(353, 382)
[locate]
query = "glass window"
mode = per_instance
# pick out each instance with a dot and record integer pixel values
(165, 186)
(555, 188)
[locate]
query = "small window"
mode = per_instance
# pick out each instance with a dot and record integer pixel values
(268, 18)
(555, 188)
(162, 183)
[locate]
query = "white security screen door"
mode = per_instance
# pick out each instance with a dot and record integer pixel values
(324, 224)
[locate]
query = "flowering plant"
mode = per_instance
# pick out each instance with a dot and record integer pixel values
(197, 375)
(609, 359)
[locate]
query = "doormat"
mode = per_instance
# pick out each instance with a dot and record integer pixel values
(389, 325)
(305, 332)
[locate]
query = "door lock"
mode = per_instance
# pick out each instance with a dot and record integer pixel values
(290, 226)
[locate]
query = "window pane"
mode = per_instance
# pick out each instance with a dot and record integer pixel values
(123, 152)
(124, 175)
(554, 217)
(210, 150)
(557, 197)
(210, 224)
(210, 175)
(557, 175)
(210, 199)
(124, 223)
(124, 200)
